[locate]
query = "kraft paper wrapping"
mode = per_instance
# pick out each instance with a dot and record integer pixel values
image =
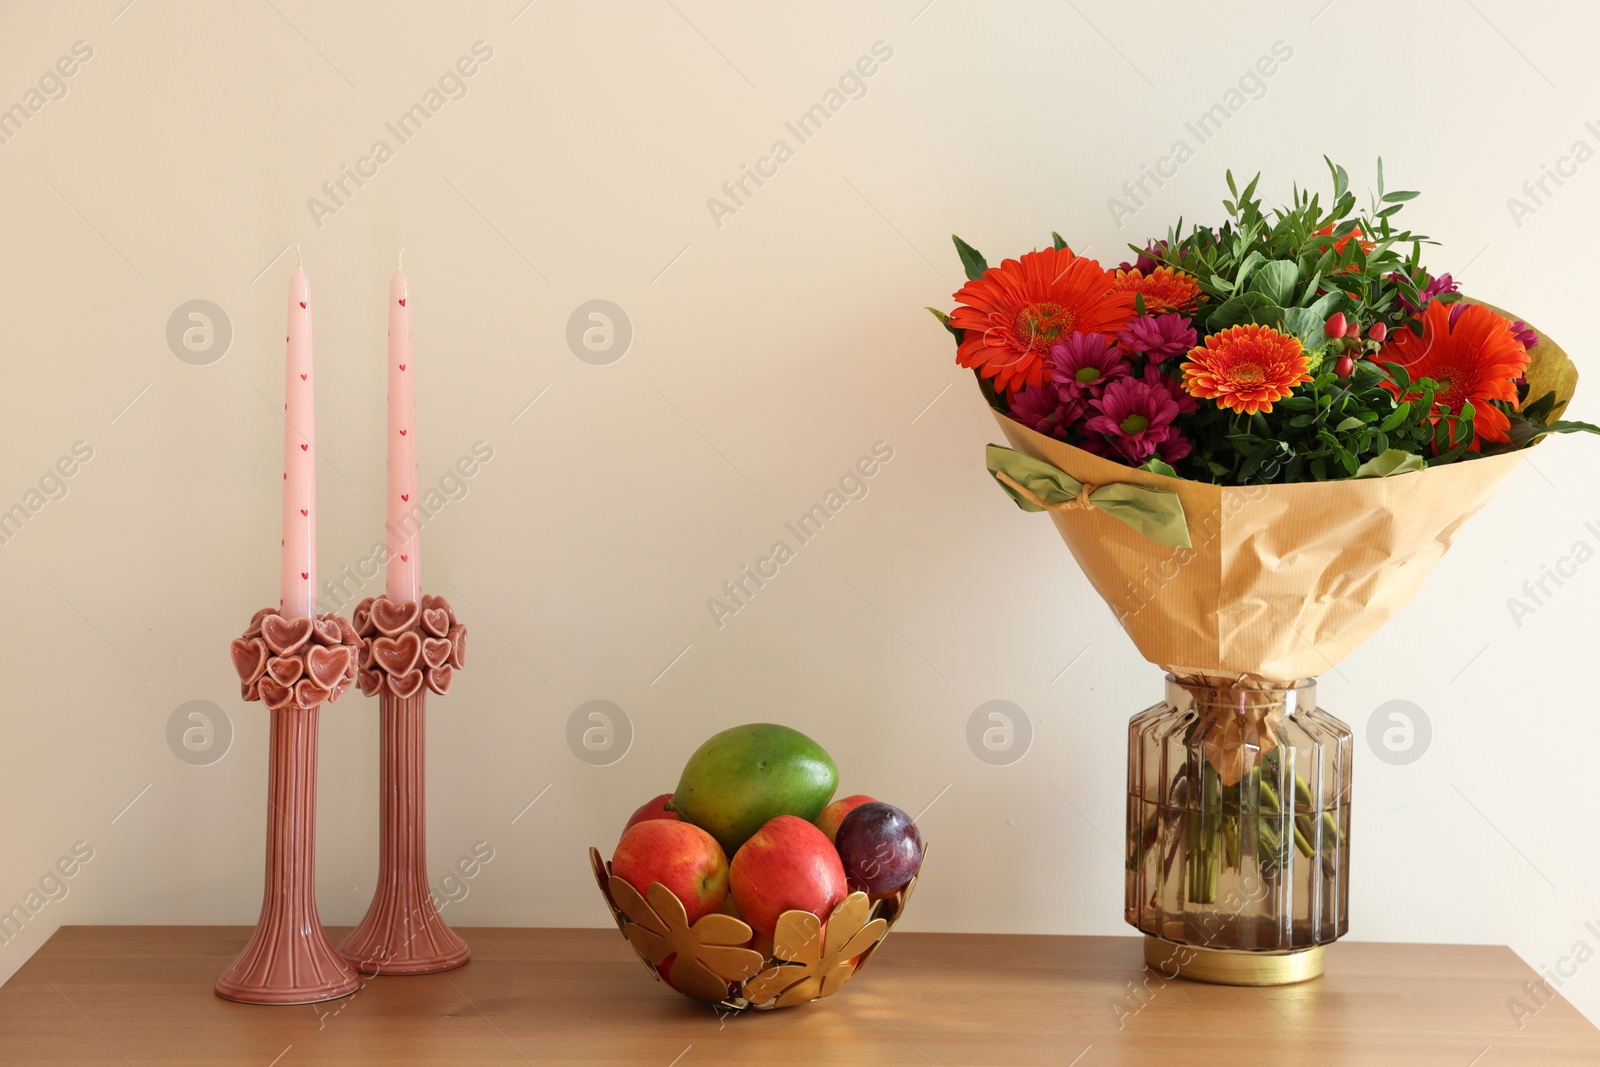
(1282, 581)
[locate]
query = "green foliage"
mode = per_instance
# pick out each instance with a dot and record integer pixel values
(1533, 421)
(972, 260)
(1277, 261)
(1291, 268)
(1283, 267)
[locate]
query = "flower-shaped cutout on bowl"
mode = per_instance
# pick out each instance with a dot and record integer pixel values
(704, 960)
(812, 959)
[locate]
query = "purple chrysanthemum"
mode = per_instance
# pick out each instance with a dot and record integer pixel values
(1159, 336)
(1524, 333)
(1084, 363)
(1039, 407)
(1146, 261)
(1174, 446)
(1430, 289)
(1134, 418)
(1174, 388)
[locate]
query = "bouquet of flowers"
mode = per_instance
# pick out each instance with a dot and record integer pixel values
(1256, 439)
(1246, 398)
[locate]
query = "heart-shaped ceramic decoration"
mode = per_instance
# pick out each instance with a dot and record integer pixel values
(326, 666)
(328, 631)
(397, 655)
(285, 636)
(274, 696)
(249, 657)
(435, 650)
(285, 670)
(439, 679)
(309, 694)
(371, 682)
(254, 629)
(458, 647)
(436, 621)
(362, 617)
(405, 685)
(394, 617)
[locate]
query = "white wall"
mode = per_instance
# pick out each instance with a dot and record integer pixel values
(769, 352)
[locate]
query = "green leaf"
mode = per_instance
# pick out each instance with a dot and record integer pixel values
(1306, 324)
(1250, 263)
(1350, 422)
(1275, 280)
(1394, 461)
(1399, 197)
(1341, 180)
(1246, 307)
(971, 259)
(945, 321)
(1539, 410)
(1402, 379)
(1525, 431)
(1326, 304)
(1057, 241)
(1155, 466)
(1396, 417)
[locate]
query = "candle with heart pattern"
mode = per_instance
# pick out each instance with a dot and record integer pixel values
(403, 578)
(297, 576)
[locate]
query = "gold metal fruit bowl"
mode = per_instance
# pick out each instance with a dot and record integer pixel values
(716, 959)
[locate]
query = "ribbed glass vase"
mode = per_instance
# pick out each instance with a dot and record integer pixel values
(1239, 819)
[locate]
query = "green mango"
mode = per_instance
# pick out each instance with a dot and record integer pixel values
(742, 778)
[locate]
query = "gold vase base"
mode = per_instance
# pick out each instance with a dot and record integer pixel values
(1220, 966)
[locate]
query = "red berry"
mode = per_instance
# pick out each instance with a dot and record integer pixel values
(1378, 332)
(1345, 367)
(1352, 330)
(1334, 327)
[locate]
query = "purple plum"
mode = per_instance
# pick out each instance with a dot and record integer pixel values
(880, 847)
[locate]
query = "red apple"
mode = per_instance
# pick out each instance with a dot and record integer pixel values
(788, 865)
(658, 808)
(684, 858)
(832, 815)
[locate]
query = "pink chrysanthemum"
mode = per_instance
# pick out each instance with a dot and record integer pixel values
(1039, 407)
(1134, 417)
(1084, 363)
(1158, 336)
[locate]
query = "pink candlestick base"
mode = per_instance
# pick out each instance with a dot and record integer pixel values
(403, 932)
(289, 959)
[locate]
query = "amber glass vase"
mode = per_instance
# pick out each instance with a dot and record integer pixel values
(1238, 831)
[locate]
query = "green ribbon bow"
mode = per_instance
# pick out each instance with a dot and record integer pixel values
(1037, 486)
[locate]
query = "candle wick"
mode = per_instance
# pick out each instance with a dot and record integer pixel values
(298, 262)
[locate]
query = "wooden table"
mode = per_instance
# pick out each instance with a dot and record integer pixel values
(117, 995)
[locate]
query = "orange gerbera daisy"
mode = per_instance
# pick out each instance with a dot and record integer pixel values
(1016, 311)
(1163, 289)
(1338, 245)
(1472, 354)
(1246, 368)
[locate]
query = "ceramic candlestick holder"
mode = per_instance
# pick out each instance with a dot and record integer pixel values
(292, 666)
(407, 650)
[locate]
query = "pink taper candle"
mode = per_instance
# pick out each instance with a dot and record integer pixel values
(403, 579)
(297, 577)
